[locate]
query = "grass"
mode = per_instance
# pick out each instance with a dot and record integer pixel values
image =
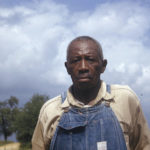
(26, 146)
(4, 142)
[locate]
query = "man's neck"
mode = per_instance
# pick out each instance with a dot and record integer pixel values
(86, 96)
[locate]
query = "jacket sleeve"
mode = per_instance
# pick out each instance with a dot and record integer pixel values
(141, 134)
(37, 138)
(45, 126)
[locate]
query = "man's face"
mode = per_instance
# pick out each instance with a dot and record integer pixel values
(84, 64)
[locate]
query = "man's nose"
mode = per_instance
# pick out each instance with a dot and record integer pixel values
(83, 66)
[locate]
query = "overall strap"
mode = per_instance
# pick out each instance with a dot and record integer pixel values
(63, 96)
(107, 102)
(108, 89)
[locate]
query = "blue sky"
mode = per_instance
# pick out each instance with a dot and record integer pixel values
(34, 35)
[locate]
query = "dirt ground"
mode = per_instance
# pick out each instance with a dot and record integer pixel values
(11, 146)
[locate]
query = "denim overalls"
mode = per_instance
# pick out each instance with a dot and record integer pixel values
(91, 128)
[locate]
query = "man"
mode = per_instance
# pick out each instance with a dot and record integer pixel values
(93, 115)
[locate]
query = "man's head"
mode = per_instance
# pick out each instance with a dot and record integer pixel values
(85, 62)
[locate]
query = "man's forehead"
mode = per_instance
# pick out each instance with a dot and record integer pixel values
(79, 45)
(84, 43)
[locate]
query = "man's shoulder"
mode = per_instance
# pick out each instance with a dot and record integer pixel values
(52, 101)
(124, 92)
(121, 88)
(52, 105)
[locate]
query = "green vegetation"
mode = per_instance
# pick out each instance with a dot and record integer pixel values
(5, 142)
(25, 147)
(8, 111)
(21, 121)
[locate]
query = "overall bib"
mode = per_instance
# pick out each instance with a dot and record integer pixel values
(91, 128)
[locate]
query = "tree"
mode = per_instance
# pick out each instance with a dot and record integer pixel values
(8, 110)
(27, 118)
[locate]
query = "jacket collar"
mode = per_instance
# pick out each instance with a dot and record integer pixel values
(103, 94)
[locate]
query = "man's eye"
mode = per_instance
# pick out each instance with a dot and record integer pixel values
(74, 60)
(91, 59)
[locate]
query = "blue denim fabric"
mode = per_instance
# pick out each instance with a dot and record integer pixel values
(82, 128)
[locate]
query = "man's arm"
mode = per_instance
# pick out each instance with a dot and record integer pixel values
(46, 125)
(37, 139)
(141, 134)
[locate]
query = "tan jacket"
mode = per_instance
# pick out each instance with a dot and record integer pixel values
(125, 105)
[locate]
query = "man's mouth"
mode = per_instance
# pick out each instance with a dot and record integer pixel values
(84, 78)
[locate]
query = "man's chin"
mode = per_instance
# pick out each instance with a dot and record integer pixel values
(84, 86)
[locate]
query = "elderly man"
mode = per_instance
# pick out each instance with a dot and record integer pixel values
(92, 115)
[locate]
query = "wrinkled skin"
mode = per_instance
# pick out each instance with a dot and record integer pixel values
(85, 64)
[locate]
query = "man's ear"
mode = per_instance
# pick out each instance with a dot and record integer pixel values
(104, 65)
(67, 68)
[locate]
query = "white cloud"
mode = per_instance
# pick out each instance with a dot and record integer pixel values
(144, 79)
(133, 68)
(33, 42)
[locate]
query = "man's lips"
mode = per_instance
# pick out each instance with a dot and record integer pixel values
(84, 78)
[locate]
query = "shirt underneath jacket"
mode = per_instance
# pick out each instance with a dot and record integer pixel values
(125, 105)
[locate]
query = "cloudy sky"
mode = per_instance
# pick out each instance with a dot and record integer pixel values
(34, 35)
